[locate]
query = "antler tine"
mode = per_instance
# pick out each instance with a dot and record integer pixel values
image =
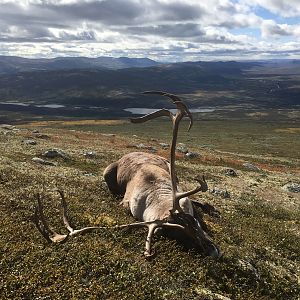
(182, 111)
(38, 218)
(65, 211)
(181, 106)
(42, 225)
(202, 188)
(49, 234)
(156, 114)
(152, 226)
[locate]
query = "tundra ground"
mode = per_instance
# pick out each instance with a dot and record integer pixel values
(258, 229)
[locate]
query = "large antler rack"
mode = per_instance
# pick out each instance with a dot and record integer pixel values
(182, 111)
(50, 235)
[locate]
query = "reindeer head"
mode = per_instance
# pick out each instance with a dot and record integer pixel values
(192, 234)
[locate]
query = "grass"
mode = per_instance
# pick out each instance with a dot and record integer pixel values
(258, 231)
(243, 137)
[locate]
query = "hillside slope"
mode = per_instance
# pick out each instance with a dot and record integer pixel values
(258, 231)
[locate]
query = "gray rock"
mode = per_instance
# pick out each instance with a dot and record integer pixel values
(143, 146)
(42, 136)
(43, 161)
(207, 294)
(7, 126)
(246, 266)
(230, 172)
(89, 174)
(182, 148)
(164, 146)
(90, 154)
(30, 142)
(108, 134)
(220, 192)
(192, 155)
(292, 187)
(55, 153)
(251, 167)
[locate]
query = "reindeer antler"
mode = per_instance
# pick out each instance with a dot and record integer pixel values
(182, 111)
(50, 235)
(47, 232)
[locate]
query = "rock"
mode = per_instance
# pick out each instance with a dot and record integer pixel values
(35, 131)
(191, 155)
(230, 172)
(143, 146)
(182, 148)
(88, 174)
(43, 161)
(246, 266)
(140, 146)
(42, 136)
(108, 134)
(251, 167)
(55, 153)
(90, 154)
(164, 146)
(220, 192)
(7, 126)
(292, 187)
(30, 142)
(207, 294)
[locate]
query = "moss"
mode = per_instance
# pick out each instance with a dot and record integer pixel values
(259, 238)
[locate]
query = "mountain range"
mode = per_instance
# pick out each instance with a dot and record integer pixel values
(104, 87)
(14, 64)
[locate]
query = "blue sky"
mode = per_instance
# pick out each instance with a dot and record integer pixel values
(164, 30)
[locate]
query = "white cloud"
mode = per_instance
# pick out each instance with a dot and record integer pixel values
(285, 8)
(183, 29)
(271, 29)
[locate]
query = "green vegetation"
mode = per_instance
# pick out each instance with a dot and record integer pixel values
(105, 93)
(242, 137)
(258, 231)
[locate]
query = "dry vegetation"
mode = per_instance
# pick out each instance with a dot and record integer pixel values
(258, 230)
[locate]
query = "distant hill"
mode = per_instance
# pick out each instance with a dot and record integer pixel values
(107, 92)
(14, 64)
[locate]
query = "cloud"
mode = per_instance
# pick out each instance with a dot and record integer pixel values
(270, 28)
(160, 29)
(285, 8)
(188, 30)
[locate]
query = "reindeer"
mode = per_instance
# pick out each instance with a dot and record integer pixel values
(150, 190)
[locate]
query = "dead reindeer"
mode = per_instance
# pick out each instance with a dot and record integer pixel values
(148, 183)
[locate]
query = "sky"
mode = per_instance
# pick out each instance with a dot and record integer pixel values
(163, 30)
